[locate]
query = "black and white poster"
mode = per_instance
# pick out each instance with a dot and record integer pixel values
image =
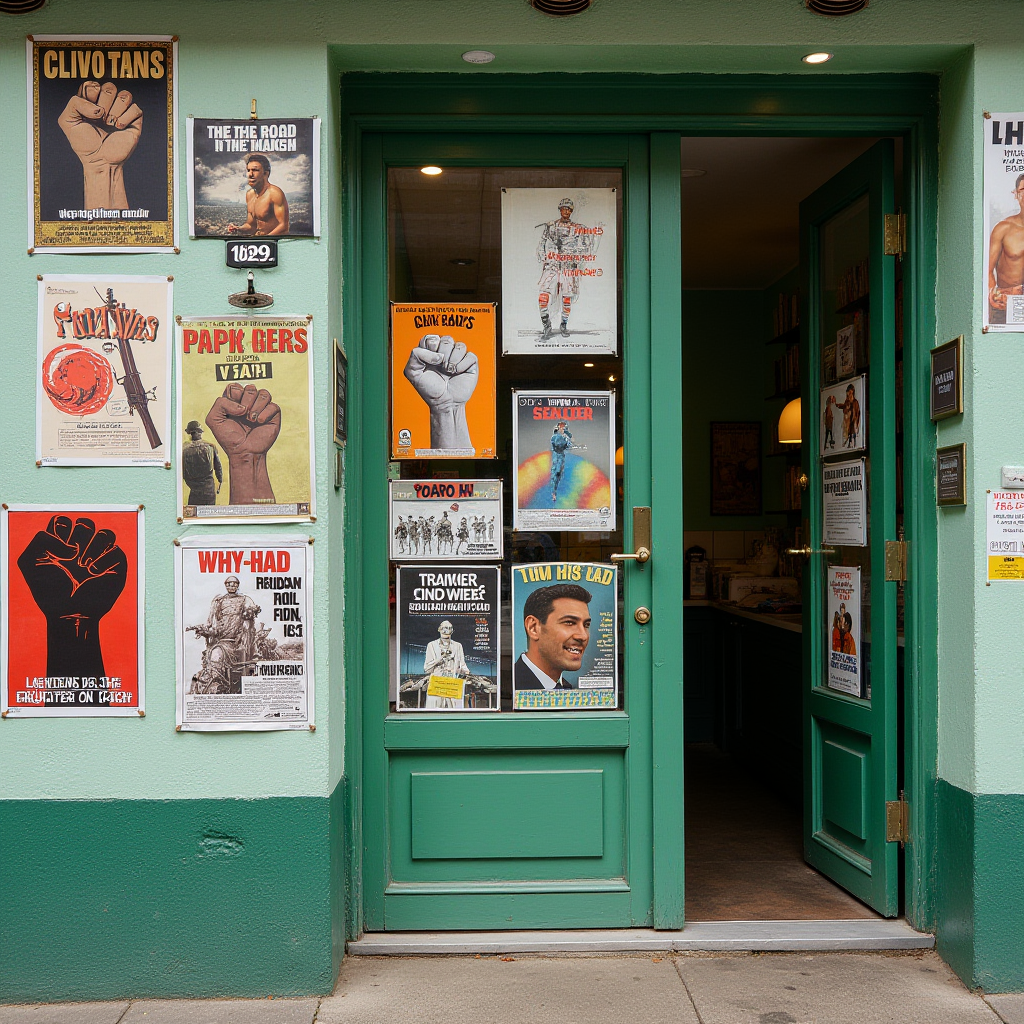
(244, 632)
(844, 503)
(1003, 309)
(448, 637)
(445, 519)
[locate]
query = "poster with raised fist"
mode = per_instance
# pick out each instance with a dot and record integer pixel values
(101, 118)
(72, 596)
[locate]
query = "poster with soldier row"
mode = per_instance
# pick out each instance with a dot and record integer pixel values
(102, 118)
(1003, 274)
(448, 638)
(245, 406)
(563, 449)
(253, 177)
(243, 631)
(103, 378)
(445, 519)
(72, 591)
(559, 285)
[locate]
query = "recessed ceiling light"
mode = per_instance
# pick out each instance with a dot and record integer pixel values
(463, 261)
(478, 56)
(588, 364)
(431, 170)
(692, 172)
(817, 58)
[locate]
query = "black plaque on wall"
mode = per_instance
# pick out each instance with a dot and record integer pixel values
(947, 381)
(951, 475)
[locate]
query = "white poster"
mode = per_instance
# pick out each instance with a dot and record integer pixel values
(842, 596)
(558, 270)
(1005, 535)
(244, 633)
(1003, 308)
(436, 520)
(843, 423)
(844, 504)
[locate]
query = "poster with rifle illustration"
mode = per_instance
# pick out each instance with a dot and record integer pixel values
(103, 379)
(245, 419)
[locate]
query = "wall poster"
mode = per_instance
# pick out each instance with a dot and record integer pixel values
(1005, 535)
(244, 633)
(844, 503)
(253, 177)
(103, 384)
(245, 412)
(72, 597)
(563, 448)
(842, 596)
(564, 636)
(443, 380)
(101, 117)
(844, 417)
(448, 637)
(435, 520)
(559, 286)
(736, 469)
(1003, 308)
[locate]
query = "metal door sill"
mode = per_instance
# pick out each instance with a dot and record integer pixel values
(698, 936)
(487, 888)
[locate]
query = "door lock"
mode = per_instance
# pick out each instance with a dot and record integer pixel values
(642, 615)
(641, 537)
(807, 551)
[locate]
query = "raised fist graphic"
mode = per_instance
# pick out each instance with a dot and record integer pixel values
(75, 573)
(103, 127)
(246, 422)
(445, 374)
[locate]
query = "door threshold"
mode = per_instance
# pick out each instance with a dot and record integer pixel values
(707, 936)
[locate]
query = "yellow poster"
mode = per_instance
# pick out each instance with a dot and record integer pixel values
(245, 416)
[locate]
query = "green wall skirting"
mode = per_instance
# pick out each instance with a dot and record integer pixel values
(110, 899)
(980, 899)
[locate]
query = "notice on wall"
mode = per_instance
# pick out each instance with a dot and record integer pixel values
(1003, 273)
(448, 637)
(245, 412)
(563, 448)
(101, 117)
(846, 351)
(843, 620)
(843, 410)
(443, 381)
(564, 636)
(558, 271)
(244, 633)
(72, 593)
(254, 177)
(1005, 535)
(445, 519)
(844, 503)
(104, 370)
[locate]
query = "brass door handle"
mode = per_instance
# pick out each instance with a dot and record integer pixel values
(641, 537)
(641, 554)
(808, 551)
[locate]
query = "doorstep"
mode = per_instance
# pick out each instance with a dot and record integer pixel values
(709, 936)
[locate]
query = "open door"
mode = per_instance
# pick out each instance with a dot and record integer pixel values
(850, 628)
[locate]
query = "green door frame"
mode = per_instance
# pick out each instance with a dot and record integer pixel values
(666, 107)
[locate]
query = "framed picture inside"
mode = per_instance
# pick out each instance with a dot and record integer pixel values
(736, 469)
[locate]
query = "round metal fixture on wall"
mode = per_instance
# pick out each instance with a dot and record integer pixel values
(20, 6)
(836, 8)
(560, 8)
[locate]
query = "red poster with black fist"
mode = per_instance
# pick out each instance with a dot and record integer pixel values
(72, 595)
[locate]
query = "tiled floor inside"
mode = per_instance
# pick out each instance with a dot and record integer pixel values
(744, 851)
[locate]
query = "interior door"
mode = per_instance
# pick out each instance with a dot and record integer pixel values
(493, 817)
(850, 620)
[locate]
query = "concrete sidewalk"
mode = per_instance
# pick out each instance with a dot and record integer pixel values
(713, 988)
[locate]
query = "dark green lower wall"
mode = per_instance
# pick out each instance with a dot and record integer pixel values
(118, 898)
(980, 890)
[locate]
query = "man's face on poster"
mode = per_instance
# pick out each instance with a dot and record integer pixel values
(231, 585)
(256, 175)
(562, 639)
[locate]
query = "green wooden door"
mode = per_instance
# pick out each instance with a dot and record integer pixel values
(523, 819)
(850, 620)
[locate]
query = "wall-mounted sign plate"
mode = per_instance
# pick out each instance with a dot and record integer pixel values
(244, 255)
(951, 475)
(947, 379)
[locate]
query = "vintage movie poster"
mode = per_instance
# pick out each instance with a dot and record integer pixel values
(448, 637)
(443, 381)
(559, 287)
(72, 598)
(254, 177)
(439, 520)
(844, 417)
(1005, 535)
(842, 602)
(244, 633)
(1003, 274)
(736, 468)
(844, 503)
(563, 449)
(101, 119)
(103, 379)
(245, 418)
(564, 636)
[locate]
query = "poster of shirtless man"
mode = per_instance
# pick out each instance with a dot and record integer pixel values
(254, 178)
(1004, 222)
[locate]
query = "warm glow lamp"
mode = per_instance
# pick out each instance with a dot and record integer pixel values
(618, 456)
(789, 423)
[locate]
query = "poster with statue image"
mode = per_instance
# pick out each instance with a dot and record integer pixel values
(245, 420)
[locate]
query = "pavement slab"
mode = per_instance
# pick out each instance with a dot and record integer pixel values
(507, 990)
(1009, 1007)
(838, 988)
(64, 1013)
(220, 1011)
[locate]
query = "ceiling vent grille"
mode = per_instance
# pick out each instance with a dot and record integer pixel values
(20, 6)
(836, 8)
(560, 8)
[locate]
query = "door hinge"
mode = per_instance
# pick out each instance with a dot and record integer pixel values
(897, 821)
(895, 240)
(896, 561)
